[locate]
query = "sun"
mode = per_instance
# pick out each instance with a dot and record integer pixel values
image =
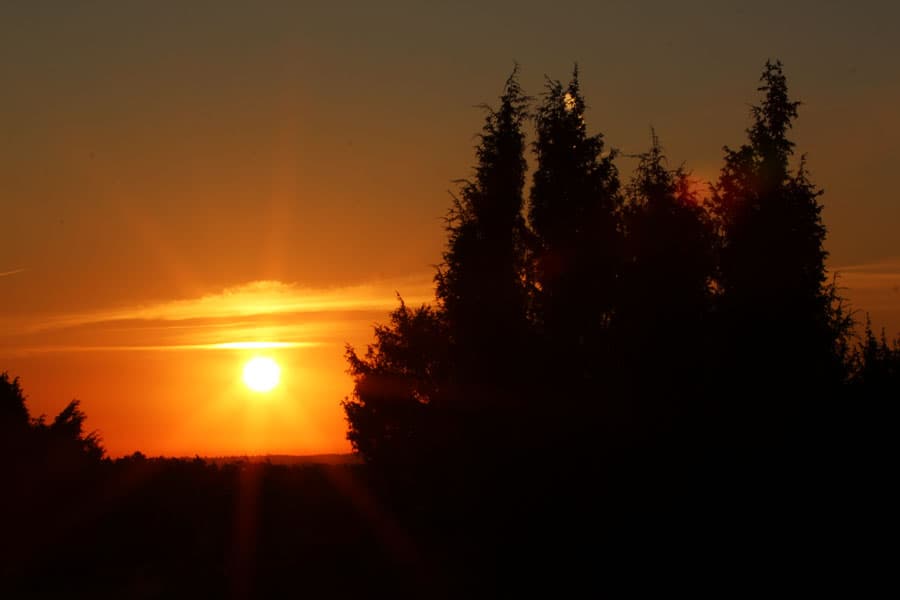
(261, 374)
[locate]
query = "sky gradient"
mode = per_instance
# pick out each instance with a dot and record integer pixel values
(175, 178)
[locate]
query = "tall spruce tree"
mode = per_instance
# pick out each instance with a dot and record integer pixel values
(781, 325)
(574, 213)
(480, 286)
(435, 383)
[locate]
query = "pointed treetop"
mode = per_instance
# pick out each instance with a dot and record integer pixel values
(512, 111)
(652, 179)
(772, 120)
(502, 126)
(573, 101)
(575, 83)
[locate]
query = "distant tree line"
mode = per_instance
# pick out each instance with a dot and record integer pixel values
(75, 523)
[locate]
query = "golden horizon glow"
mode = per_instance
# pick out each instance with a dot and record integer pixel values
(261, 374)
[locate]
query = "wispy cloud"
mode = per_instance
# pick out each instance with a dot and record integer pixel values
(874, 289)
(174, 347)
(257, 315)
(13, 272)
(882, 277)
(887, 265)
(261, 298)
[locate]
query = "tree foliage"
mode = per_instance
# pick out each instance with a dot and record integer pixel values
(783, 327)
(13, 412)
(62, 444)
(574, 213)
(665, 298)
(436, 377)
(876, 367)
(648, 313)
(398, 381)
(481, 283)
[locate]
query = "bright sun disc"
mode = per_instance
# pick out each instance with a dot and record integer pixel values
(261, 374)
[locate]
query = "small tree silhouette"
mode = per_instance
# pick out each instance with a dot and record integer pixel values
(876, 367)
(397, 385)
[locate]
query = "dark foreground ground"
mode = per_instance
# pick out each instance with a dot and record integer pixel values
(164, 528)
(153, 528)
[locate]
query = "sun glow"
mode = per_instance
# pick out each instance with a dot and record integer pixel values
(261, 374)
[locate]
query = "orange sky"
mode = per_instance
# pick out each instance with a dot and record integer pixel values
(177, 177)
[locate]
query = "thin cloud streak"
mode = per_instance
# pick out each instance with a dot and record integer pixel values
(880, 278)
(260, 298)
(257, 315)
(889, 266)
(873, 290)
(176, 347)
(13, 272)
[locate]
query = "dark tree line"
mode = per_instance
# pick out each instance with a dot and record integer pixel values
(604, 326)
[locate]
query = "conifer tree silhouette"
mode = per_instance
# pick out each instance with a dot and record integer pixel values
(69, 437)
(436, 379)
(574, 213)
(782, 327)
(396, 389)
(63, 440)
(13, 411)
(876, 368)
(665, 297)
(481, 284)
(15, 422)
